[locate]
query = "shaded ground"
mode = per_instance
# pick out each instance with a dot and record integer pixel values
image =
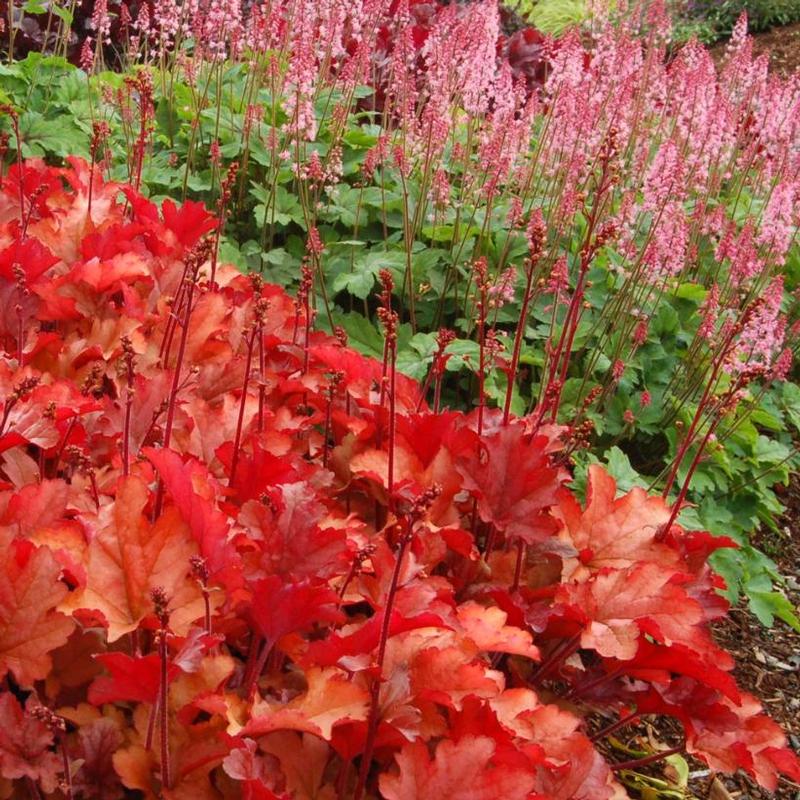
(783, 44)
(767, 666)
(768, 660)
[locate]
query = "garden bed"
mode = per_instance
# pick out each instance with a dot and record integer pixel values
(386, 419)
(782, 44)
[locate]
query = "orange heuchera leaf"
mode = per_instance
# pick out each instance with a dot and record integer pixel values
(331, 698)
(486, 626)
(128, 557)
(619, 605)
(25, 744)
(460, 770)
(612, 532)
(30, 626)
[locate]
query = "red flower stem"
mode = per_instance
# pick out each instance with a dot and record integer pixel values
(392, 418)
(240, 420)
(701, 407)
(252, 681)
(573, 329)
(579, 691)
(64, 441)
(651, 759)
(615, 726)
(341, 778)
(172, 319)
(676, 507)
(518, 566)
(424, 388)
(512, 371)
(20, 338)
(561, 652)
(173, 395)
(91, 185)
(437, 393)
(95, 493)
(491, 537)
(481, 360)
(373, 720)
(207, 606)
(252, 656)
(33, 789)
(151, 724)
(166, 778)
(307, 333)
(126, 433)
(327, 432)
(261, 389)
(67, 772)
(18, 138)
(351, 573)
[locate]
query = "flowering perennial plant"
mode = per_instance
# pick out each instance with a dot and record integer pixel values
(606, 242)
(241, 559)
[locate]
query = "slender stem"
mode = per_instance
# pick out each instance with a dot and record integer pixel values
(374, 711)
(67, 772)
(238, 438)
(166, 778)
(615, 726)
(518, 567)
(651, 759)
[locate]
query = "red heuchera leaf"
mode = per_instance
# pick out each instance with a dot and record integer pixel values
(25, 745)
(292, 537)
(189, 222)
(260, 772)
(657, 664)
(30, 626)
(131, 679)
(486, 627)
(755, 744)
(97, 742)
(461, 770)
(187, 484)
(337, 648)
(514, 482)
(279, 608)
(28, 255)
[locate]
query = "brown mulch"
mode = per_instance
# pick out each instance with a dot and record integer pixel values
(767, 666)
(783, 45)
(767, 660)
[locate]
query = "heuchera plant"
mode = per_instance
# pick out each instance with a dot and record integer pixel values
(240, 559)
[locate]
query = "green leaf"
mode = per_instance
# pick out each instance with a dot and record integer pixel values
(42, 137)
(619, 466)
(358, 283)
(361, 334)
(768, 605)
(64, 14)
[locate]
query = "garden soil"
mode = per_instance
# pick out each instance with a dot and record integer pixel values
(783, 45)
